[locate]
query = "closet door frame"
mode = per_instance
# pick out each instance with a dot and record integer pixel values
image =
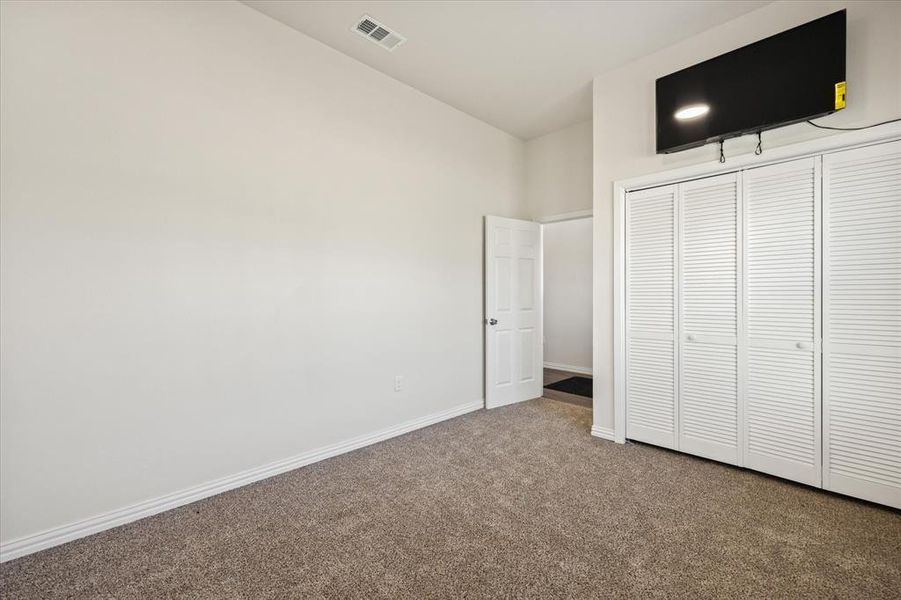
(604, 419)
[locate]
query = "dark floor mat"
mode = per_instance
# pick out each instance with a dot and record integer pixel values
(574, 385)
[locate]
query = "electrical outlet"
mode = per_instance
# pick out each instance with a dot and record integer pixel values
(398, 383)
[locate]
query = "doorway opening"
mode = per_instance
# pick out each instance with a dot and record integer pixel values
(538, 309)
(567, 339)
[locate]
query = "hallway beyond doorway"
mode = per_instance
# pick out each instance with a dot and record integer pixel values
(555, 375)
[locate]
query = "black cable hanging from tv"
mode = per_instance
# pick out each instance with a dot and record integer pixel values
(852, 128)
(759, 150)
(722, 154)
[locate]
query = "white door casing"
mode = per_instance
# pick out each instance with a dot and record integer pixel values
(862, 323)
(514, 354)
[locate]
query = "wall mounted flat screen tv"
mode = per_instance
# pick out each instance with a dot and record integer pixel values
(790, 77)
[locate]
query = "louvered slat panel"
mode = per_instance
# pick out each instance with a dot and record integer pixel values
(651, 263)
(709, 254)
(708, 401)
(650, 313)
(862, 323)
(865, 419)
(650, 384)
(781, 418)
(708, 318)
(864, 251)
(780, 260)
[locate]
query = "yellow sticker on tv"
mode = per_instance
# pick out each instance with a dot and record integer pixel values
(840, 95)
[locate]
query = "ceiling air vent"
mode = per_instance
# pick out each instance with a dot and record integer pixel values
(377, 33)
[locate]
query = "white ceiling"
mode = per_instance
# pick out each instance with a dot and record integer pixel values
(524, 67)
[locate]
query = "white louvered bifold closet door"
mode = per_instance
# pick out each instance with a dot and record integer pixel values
(650, 316)
(708, 318)
(862, 323)
(781, 419)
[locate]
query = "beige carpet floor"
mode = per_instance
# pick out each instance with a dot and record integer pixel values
(518, 502)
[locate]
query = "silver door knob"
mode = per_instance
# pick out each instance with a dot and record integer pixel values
(690, 338)
(492, 321)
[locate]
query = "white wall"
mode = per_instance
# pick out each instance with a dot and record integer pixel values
(558, 171)
(567, 293)
(221, 240)
(624, 125)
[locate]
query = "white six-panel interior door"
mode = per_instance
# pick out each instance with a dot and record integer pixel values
(514, 353)
(763, 319)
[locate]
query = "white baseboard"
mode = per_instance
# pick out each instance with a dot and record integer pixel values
(66, 533)
(603, 433)
(570, 368)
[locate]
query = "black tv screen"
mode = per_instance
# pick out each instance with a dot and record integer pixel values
(790, 77)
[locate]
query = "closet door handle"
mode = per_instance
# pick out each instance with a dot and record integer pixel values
(689, 338)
